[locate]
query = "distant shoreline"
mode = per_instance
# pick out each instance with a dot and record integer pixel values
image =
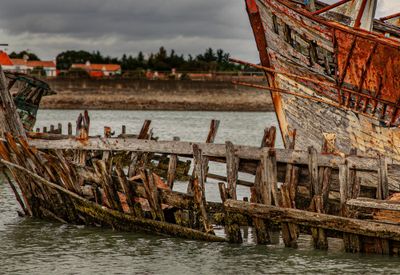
(156, 95)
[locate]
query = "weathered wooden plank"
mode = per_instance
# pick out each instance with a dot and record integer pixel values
(311, 219)
(9, 117)
(199, 188)
(130, 196)
(232, 165)
(374, 204)
(210, 150)
(108, 186)
(173, 160)
(383, 182)
(222, 191)
(117, 219)
(261, 193)
(152, 194)
(143, 135)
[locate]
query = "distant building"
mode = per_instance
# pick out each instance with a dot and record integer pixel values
(6, 62)
(99, 70)
(26, 66)
(20, 65)
(49, 67)
(23, 65)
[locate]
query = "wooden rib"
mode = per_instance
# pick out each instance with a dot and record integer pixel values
(312, 98)
(328, 8)
(324, 83)
(357, 24)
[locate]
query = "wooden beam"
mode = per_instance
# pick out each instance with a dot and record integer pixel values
(211, 150)
(328, 8)
(311, 219)
(374, 204)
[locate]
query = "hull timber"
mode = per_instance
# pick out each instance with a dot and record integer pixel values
(364, 66)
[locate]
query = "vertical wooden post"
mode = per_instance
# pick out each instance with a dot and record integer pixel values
(232, 166)
(123, 130)
(313, 172)
(288, 192)
(222, 191)
(261, 192)
(212, 133)
(320, 239)
(143, 134)
(173, 160)
(349, 188)
(69, 128)
(59, 128)
(37, 130)
(52, 128)
(9, 117)
(383, 182)
(199, 188)
(382, 246)
(44, 129)
(265, 190)
(272, 176)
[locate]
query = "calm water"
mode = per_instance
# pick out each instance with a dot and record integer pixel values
(29, 246)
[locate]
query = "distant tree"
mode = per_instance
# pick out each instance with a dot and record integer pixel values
(20, 55)
(210, 60)
(67, 58)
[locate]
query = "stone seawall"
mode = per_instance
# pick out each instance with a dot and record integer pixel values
(128, 94)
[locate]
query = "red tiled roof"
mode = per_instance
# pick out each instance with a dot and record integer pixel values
(5, 59)
(43, 64)
(18, 61)
(98, 67)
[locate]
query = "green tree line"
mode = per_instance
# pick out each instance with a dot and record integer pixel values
(210, 60)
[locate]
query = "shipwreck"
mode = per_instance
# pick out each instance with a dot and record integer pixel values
(331, 69)
(332, 73)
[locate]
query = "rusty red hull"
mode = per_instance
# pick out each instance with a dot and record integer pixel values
(364, 67)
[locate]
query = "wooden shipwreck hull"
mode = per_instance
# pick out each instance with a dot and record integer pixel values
(353, 73)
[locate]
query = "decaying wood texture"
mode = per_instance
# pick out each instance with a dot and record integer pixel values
(119, 220)
(144, 135)
(95, 189)
(297, 157)
(341, 224)
(172, 168)
(9, 118)
(262, 191)
(290, 232)
(374, 204)
(212, 133)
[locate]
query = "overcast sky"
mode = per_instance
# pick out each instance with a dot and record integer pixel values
(114, 27)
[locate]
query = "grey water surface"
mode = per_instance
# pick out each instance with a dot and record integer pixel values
(30, 246)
